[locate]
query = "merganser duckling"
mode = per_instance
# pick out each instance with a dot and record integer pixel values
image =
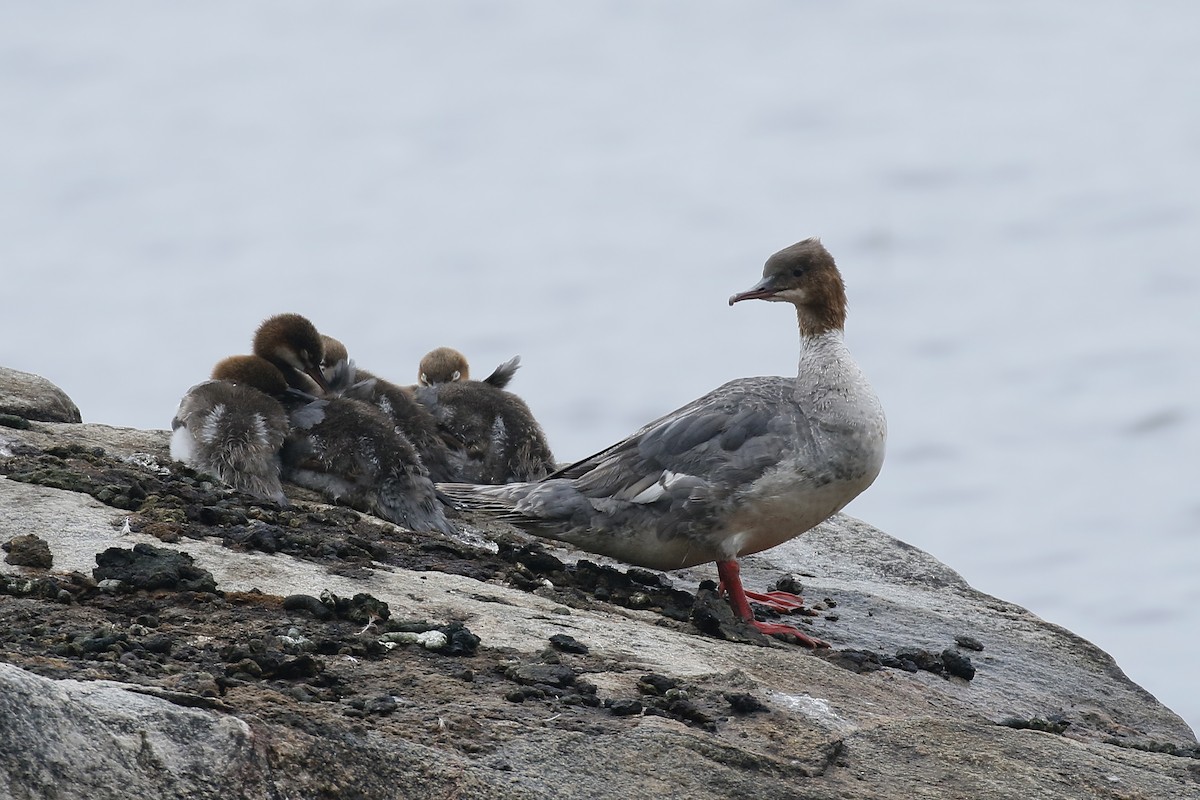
(233, 428)
(744, 468)
(291, 343)
(411, 419)
(497, 439)
(446, 365)
(334, 353)
(350, 452)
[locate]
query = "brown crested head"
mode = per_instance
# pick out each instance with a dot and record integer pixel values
(335, 351)
(251, 371)
(806, 276)
(443, 365)
(292, 343)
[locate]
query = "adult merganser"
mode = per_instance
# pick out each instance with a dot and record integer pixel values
(233, 427)
(446, 365)
(744, 468)
(291, 343)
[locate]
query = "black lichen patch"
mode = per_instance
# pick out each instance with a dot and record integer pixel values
(908, 659)
(306, 602)
(459, 639)
(634, 588)
(148, 567)
(958, 664)
(361, 608)
(87, 470)
(539, 681)
(1150, 746)
(1055, 724)
(657, 685)
(744, 703)
(921, 659)
(568, 644)
(626, 707)
(532, 568)
(233, 651)
(28, 551)
(666, 696)
(660, 695)
(381, 705)
(552, 676)
(59, 588)
(858, 661)
(790, 584)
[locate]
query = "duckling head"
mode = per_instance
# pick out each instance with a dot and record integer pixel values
(292, 343)
(253, 371)
(443, 365)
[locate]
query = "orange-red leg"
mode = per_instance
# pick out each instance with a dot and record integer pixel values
(739, 600)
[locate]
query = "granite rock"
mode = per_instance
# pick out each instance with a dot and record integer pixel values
(31, 397)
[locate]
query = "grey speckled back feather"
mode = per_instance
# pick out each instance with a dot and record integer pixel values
(499, 439)
(350, 452)
(410, 419)
(233, 433)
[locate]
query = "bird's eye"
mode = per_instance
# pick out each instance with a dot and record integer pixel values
(797, 272)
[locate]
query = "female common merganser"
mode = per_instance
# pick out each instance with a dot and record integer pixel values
(446, 365)
(233, 427)
(411, 419)
(352, 453)
(291, 343)
(748, 466)
(497, 439)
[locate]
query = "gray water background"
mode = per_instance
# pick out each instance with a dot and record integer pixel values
(1011, 189)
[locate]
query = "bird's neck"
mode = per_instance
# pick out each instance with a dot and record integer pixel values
(823, 346)
(825, 313)
(825, 365)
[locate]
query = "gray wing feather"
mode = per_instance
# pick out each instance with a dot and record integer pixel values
(731, 436)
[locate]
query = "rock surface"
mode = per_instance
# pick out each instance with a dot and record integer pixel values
(32, 397)
(317, 652)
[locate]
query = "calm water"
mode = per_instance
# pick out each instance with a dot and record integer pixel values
(1010, 190)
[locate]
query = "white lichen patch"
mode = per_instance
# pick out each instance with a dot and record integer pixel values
(147, 461)
(430, 640)
(815, 708)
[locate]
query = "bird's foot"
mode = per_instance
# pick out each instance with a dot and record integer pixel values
(739, 601)
(784, 602)
(778, 629)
